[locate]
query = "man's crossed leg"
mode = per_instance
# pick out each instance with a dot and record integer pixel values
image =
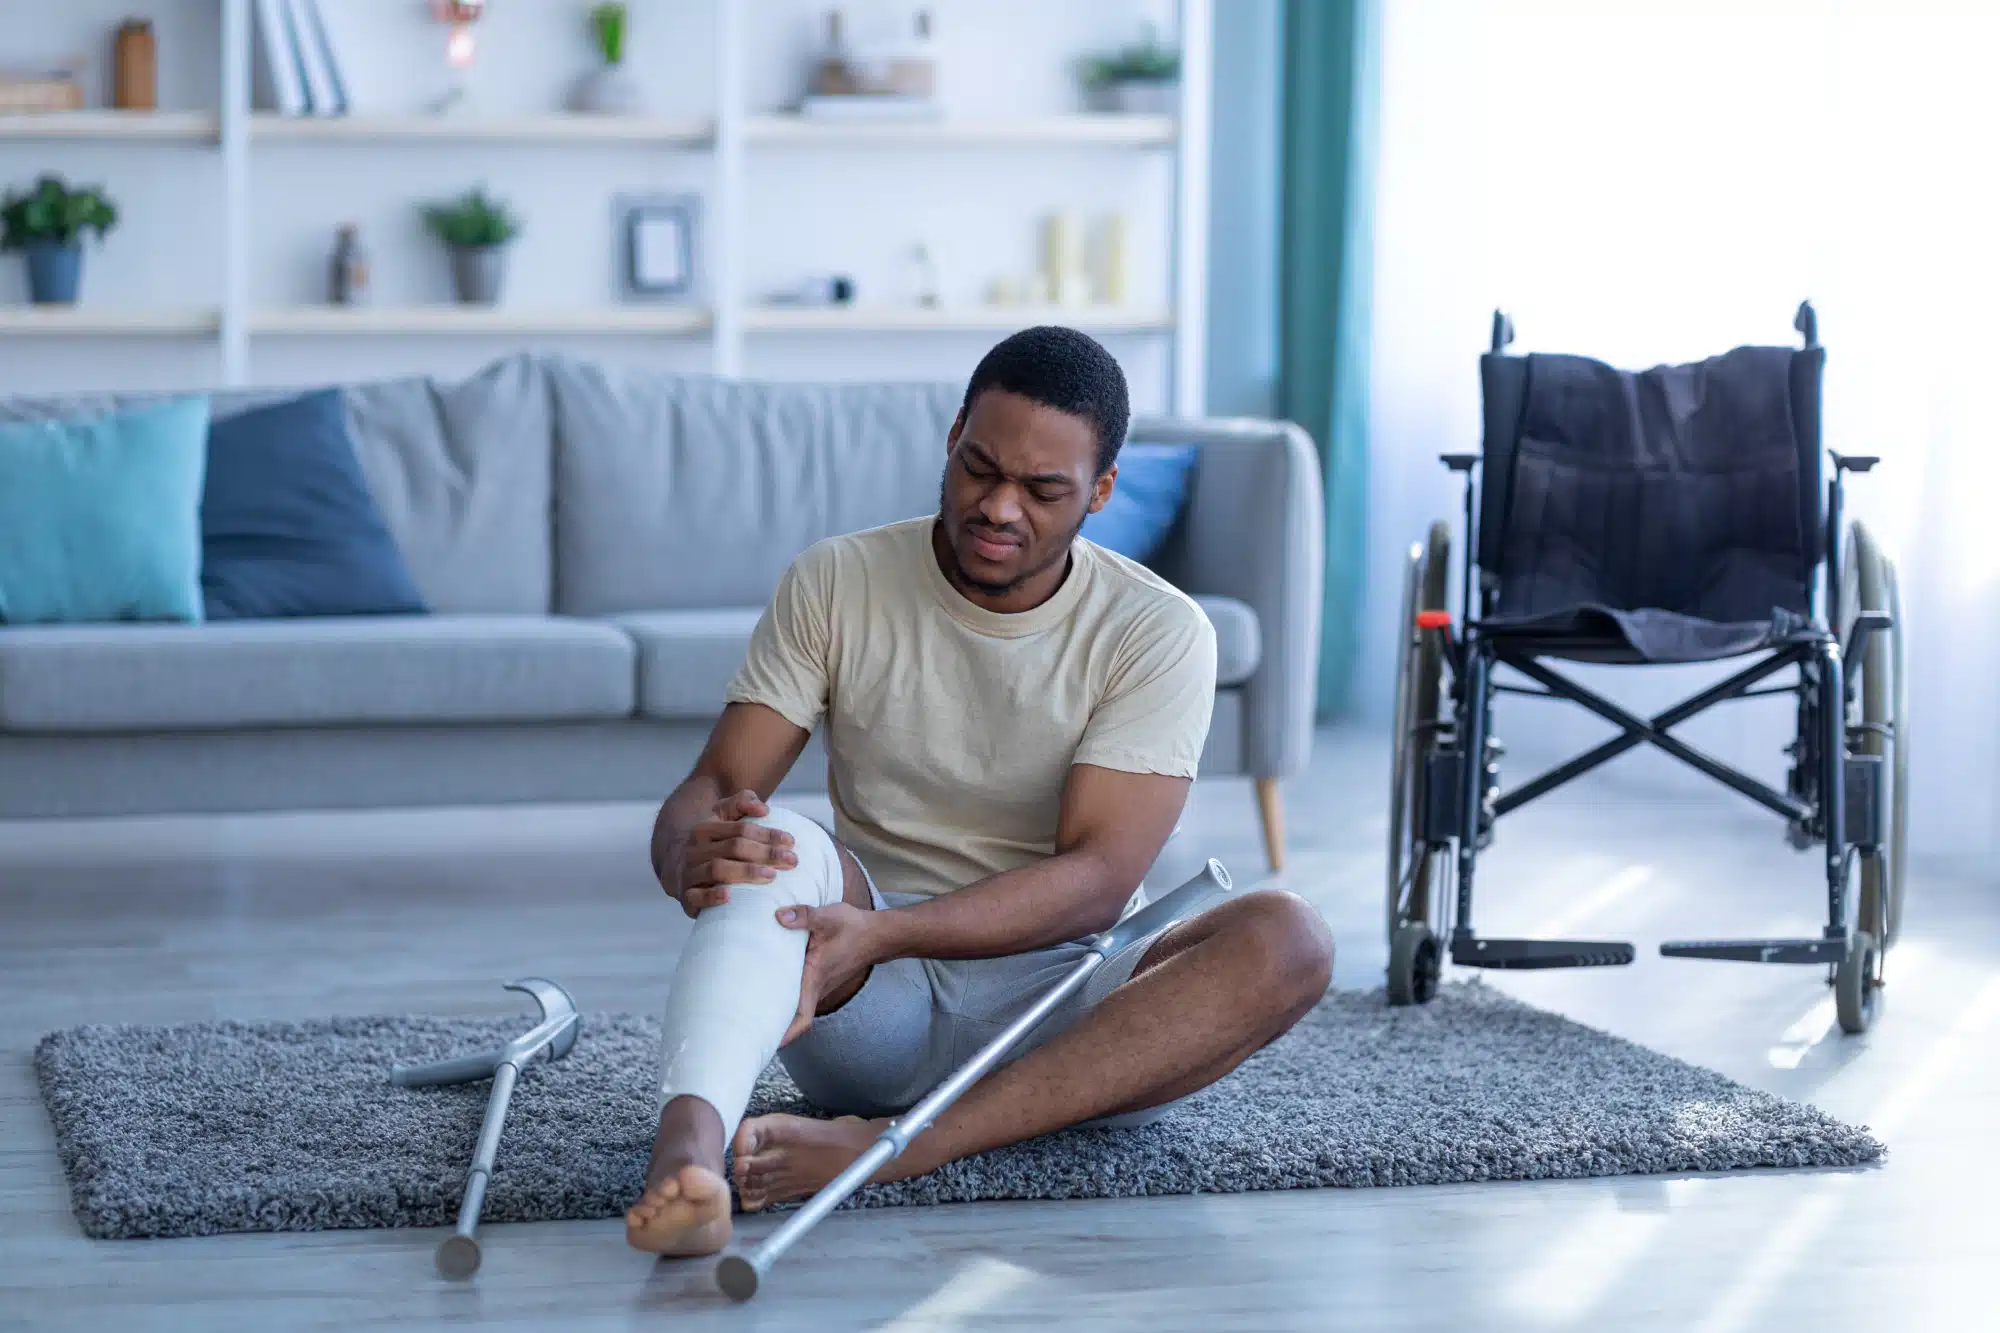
(1188, 1007)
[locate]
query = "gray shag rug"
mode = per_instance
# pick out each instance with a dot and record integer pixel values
(203, 1128)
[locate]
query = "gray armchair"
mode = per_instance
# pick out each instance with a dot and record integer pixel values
(1252, 533)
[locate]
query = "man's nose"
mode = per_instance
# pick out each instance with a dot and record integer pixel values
(1001, 506)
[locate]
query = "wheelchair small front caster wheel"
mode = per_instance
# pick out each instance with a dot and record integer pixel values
(1855, 989)
(1413, 964)
(1798, 836)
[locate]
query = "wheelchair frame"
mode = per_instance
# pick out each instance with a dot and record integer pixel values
(1443, 808)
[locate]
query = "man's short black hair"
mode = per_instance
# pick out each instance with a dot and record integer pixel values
(1063, 369)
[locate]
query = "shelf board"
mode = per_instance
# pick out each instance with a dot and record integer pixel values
(951, 319)
(459, 319)
(1113, 130)
(189, 126)
(34, 320)
(474, 128)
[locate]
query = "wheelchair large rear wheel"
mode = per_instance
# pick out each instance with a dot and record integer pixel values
(1418, 709)
(1878, 721)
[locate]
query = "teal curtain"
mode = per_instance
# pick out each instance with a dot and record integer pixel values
(1326, 263)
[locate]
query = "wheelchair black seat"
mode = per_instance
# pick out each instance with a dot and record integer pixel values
(1665, 515)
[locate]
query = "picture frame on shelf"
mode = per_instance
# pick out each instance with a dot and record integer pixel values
(659, 241)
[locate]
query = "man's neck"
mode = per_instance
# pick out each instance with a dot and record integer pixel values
(1026, 595)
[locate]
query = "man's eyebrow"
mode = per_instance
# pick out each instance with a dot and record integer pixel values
(987, 460)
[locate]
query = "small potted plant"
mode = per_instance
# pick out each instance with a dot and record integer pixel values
(46, 224)
(1143, 78)
(476, 229)
(608, 90)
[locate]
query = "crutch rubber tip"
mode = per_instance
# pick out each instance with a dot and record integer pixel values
(737, 1277)
(458, 1258)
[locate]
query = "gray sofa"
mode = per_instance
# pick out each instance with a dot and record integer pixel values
(596, 545)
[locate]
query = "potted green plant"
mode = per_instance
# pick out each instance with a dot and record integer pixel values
(608, 90)
(1144, 78)
(477, 229)
(46, 223)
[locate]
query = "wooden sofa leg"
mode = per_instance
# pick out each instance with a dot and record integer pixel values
(1271, 806)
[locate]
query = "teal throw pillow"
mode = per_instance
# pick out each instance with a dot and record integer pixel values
(100, 519)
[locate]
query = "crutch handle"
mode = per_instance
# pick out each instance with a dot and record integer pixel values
(460, 1069)
(1185, 901)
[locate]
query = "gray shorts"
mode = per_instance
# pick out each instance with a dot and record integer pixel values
(916, 1020)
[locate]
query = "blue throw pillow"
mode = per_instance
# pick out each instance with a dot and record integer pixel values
(288, 526)
(1151, 489)
(99, 518)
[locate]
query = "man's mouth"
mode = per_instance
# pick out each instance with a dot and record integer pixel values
(996, 547)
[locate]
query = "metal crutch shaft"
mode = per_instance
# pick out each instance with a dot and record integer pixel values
(739, 1275)
(458, 1253)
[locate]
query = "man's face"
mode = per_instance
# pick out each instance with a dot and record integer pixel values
(1018, 481)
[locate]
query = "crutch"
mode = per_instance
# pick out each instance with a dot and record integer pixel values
(458, 1255)
(739, 1275)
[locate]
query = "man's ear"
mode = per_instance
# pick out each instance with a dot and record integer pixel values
(1100, 490)
(957, 426)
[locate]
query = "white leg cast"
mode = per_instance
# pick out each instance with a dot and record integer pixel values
(737, 987)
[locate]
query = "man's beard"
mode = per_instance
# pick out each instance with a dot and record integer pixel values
(963, 578)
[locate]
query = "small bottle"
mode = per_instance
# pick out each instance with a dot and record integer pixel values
(135, 67)
(349, 277)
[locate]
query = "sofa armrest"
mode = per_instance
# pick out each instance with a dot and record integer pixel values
(1254, 530)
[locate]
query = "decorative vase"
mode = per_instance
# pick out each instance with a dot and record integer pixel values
(55, 271)
(478, 272)
(1145, 97)
(608, 91)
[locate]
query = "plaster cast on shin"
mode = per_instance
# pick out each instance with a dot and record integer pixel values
(737, 987)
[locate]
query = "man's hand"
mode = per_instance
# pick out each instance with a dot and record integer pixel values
(724, 850)
(846, 941)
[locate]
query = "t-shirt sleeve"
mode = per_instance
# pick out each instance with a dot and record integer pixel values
(1154, 715)
(789, 663)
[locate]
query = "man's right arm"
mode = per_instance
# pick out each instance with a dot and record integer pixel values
(701, 843)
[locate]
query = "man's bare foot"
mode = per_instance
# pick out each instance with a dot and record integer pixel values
(780, 1157)
(687, 1213)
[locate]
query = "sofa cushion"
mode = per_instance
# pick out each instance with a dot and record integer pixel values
(686, 658)
(1239, 640)
(99, 517)
(679, 491)
(288, 525)
(313, 672)
(459, 470)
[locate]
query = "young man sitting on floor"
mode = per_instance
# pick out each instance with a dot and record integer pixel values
(1012, 717)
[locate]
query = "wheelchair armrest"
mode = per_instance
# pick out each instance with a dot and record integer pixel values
(1868, 622)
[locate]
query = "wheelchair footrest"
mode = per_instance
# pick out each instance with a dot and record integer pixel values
(1759, 951)
(1539, 953)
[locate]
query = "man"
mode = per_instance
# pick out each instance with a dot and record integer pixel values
(1012, 717)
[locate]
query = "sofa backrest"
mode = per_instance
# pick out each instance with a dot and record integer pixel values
(460, 471)
(680, 491)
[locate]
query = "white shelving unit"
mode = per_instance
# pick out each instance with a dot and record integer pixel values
(1027, 131)
(731, 137)
(88, 321)
(185, 126)
(322, 320)
(951, 319)
(486, 129)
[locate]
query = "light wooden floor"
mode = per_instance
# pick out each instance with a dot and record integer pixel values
(317, 914)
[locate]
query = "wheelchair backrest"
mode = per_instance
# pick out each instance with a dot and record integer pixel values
(1693, 488)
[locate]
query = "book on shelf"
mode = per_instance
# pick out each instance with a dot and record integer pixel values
(322, 92)
(276, 80)
(330, 46)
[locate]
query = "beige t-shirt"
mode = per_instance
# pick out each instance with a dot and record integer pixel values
(950, 729)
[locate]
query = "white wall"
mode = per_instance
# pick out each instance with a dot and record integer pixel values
(806, 211)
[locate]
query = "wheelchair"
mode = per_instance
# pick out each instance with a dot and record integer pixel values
(1677, 514)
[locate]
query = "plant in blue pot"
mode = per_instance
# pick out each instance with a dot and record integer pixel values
(46, 223)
